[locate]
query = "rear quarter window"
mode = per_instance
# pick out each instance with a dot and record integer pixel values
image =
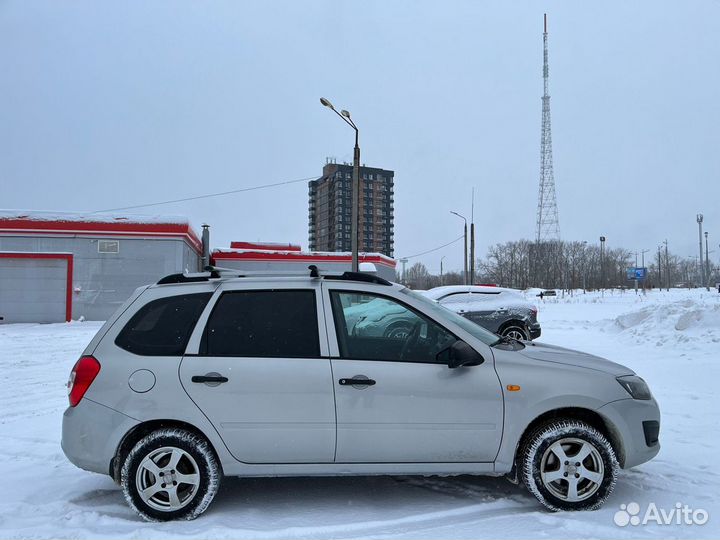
(163, 327)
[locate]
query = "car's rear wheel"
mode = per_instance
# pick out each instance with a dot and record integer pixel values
(515, 331)
(568, 465)
(170, 474)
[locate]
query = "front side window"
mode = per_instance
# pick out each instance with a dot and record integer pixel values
(163, 327)
(263, 324)
(373, 327)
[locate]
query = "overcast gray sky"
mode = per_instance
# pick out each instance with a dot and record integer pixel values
(106, 105)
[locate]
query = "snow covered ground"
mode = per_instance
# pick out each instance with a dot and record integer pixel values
(671, 339)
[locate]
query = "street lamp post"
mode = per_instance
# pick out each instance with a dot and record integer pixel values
(465, 256)
(702, 268)
(441, 269)
(355, 225)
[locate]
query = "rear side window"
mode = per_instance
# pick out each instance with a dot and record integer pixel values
(265, 324)
(163, 327)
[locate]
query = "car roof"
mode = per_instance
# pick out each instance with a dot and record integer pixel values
(238, 276)
(441, 292)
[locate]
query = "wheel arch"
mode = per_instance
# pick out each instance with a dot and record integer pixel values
(589, 416)
(141, 430)
(514, 322)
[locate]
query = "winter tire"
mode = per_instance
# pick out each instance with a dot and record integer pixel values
(170, 474)
(515, 331)
(568, 465)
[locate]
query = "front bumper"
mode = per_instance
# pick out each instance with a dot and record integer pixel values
(638, 424)
(91, 433)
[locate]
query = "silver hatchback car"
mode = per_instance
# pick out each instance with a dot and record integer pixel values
(209, 375)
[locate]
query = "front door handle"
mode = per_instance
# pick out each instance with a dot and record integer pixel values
(209, 378)
(356, 382)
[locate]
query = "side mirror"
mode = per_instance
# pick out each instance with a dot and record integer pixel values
(460, 354)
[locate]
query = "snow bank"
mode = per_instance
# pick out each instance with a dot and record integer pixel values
(687, 320)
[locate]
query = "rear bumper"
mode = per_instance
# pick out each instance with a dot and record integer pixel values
(91, 434)
(534, 330)
(638, 424)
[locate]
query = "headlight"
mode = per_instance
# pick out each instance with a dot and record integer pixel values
(635, 386)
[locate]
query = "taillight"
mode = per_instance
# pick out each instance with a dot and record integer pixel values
(81, 377)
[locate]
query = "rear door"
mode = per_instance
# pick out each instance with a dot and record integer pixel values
(260, 372)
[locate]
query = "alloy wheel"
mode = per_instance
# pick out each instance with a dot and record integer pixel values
(167, 479)
(572, 469)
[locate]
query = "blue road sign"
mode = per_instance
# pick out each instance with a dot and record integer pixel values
(636, 273)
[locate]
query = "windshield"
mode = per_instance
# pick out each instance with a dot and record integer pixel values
(441, 311)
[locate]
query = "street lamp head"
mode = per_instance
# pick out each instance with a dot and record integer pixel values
(345, 113)
(327, 103)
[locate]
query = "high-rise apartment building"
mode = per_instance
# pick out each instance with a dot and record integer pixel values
(330, 210)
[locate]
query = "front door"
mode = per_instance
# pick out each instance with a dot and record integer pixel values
(396, 401)
(260, 377)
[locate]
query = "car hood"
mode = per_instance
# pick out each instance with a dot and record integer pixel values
(560, 355)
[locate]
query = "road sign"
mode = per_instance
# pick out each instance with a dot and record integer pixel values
(636, 274)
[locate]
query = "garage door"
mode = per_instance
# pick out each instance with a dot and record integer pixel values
(34, 287)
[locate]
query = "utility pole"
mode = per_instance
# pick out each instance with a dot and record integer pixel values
(472, 239)
(465, 256)
(602, 265)
(707, 263)
(644, 251)
(441, 269)
(584, 266)
(702, 268)
(403, 262)
(659, 267)
(667, 266)
(472, 254)
(636, 278)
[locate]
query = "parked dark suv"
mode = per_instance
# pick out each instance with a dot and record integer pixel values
(502, 311)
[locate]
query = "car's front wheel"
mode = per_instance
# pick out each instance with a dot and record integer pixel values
(568, 465)
(170, 474)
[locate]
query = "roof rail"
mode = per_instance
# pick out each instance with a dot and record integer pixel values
(359, 276)
(214, 272)
(188, 277)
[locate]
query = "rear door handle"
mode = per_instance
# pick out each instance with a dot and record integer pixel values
(356, 382)
(209, 378)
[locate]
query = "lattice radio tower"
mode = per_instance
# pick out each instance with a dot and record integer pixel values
(548, 225)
